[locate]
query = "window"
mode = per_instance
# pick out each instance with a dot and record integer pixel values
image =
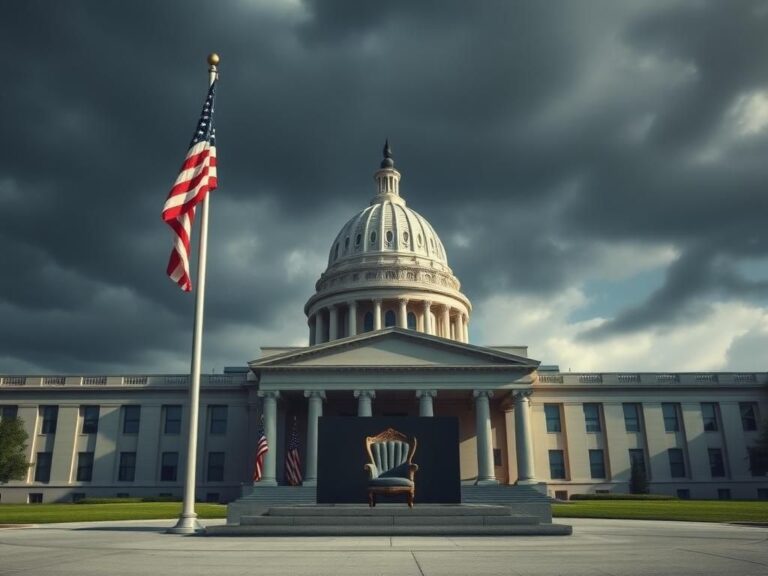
(758, 462)
(368, 322)
(724, 493)
(389, 237)
(716, 463)
(676, 463)
(671, 421)
(90, 419)
(169, 466)
(358, 239)
(592, 417)
(561, 494)
(43, 467)
(84, 466)
(127, 470)
(497, 456)
(411, 321)
(215, 466)
(684, 493)
(50, 418)
(212, 497)
(172, 423)
(762, 493)
(709, 415)
(218, 420)
(596, 464)
(389, 318)
(637, 460)
(556, 465)
(552, 415)
(748, 416)
(8, 412)
(373, 237)
(35, 498)
(632, 417)
(131, 419)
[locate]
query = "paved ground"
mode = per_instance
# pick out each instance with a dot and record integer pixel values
(620, 547)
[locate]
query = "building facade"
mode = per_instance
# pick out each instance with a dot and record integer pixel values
(388, 336)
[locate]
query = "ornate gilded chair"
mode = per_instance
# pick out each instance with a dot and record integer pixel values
(390, 466)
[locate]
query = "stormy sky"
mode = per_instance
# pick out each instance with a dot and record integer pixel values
(597, 171)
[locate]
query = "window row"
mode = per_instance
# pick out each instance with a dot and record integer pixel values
(130, 418)
(633, 416)
(126, 471)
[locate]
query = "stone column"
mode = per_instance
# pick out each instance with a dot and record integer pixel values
(333, 322)
(523, 439)
(377, 314)
(455, 327)
(365, 402)
(319, 327)
(466, 329)
(446, 322)
(269, 413)
(427, 317)
(485, 469)
(425, 402)
(402, 313)
(311, 324)
(316, 398)
(352, 318)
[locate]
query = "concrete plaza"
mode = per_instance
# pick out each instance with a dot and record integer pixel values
(620, 547)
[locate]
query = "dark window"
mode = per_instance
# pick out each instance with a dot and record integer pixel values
(215, 466)
(172, 419)
(596, 464)
(218, 420)
(90, 419)
(556, 465)
(43, 467)
(676, 463)
(497, 457)
(748, 416)
(368, 322)
(131, 419)
(213, 497)
(671, 420)
(632, 417)
(411, 321)
(127, 470)
(724, 493)
(561, 494)
(758, 461)
(35, 498)
(50, 418)
(762, 493)
(592, 417)
(389, 319)
(169, 466)
(84, 466)
(552, 415)
(8, 412)
(637, 460)
(684, 493)
(709, 415)
(716, 463)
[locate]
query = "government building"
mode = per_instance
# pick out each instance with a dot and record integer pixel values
(388, 336)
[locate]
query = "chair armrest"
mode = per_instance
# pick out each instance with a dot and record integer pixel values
(372, 471)
(412, 468)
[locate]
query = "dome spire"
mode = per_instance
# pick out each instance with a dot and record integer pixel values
(387, 151)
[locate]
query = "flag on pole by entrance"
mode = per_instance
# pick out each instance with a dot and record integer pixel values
(262, 447)
(292, 459)
(196, 178)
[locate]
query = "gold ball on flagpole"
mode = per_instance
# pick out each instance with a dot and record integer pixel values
(213, 59)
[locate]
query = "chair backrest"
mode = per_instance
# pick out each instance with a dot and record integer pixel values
(390, 449)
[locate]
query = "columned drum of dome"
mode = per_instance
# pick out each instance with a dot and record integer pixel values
(387, 267)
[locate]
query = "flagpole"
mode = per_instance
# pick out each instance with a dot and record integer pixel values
(187, 523)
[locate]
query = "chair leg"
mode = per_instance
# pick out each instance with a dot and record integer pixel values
(371, 500)
(410, 499)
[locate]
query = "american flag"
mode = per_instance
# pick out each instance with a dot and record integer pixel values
(196, 178)
(262, 447)
(292, 459)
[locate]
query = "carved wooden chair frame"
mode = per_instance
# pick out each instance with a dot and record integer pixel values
(386, 436)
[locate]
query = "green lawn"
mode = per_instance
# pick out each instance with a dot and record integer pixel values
(689, 510)
(47, 513)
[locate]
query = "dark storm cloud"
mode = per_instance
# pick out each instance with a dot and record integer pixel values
(509, 143)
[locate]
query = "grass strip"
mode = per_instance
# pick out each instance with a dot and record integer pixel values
(49, 513)
(681, 510)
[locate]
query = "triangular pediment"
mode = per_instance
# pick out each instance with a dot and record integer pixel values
(394, 347)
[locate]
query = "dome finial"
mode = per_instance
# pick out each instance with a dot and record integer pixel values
(387, 162)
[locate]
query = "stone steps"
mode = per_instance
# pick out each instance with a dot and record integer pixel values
(431, 530)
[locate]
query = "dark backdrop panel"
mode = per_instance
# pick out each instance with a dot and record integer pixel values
(342, 456)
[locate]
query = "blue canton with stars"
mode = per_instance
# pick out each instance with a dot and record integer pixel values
(205, 129)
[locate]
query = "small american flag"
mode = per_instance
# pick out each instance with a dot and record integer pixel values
(196, 178)
(292, 459)
(262, 447)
